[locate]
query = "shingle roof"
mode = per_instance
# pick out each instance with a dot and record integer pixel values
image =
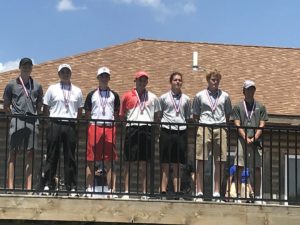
(276, 71)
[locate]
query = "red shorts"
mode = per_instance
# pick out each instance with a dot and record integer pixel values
(101, 143)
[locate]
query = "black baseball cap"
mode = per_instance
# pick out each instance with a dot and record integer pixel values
(23, 61)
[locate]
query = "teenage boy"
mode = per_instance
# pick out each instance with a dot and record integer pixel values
(63, 102)
(23, 98)
(211, 106)
(139, 104)
(250, 113)
(175, 107)
(102, 105)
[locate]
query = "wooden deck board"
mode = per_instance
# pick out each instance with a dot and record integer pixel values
(83, 210)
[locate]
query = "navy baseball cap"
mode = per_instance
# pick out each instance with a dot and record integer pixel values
(24, 61)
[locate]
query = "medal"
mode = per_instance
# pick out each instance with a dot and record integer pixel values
(24, 88)
(213, 105)
(103, 100)
(247, 113)
(67, 94)
(176, 103)
(141, 102)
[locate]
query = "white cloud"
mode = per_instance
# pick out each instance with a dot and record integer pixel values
(10, 65)
(164, 8)
(151, 3)
(189, 7)
(68, 5)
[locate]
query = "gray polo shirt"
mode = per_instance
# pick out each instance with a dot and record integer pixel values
(15, 94)
(259, 114)
(169, 114)
(204, 103)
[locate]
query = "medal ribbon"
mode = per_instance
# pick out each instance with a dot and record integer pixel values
(66, 93)
(141, 102)
(25, 89)
(246, 110)
(213, 106)
(103, 101)
(176, 106)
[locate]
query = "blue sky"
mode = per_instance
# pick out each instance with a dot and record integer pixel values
(50, 29)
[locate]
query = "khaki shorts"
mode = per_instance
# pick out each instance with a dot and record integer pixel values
(251, 151)
(213, 140)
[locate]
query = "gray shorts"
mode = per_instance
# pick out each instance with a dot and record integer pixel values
(248, 155)
(23, 134)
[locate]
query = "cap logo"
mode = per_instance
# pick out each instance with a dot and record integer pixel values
(103, 70)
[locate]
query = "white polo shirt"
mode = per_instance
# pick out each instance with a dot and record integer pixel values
(55, 97)
(103, 105)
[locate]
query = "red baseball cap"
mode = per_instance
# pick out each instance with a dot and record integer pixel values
(141, 74)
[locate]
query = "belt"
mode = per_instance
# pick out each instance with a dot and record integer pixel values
(172, 131)
(64, 123)
(103, 125)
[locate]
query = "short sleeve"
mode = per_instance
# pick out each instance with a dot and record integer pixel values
(236, 113)
(263, 114)
(88, 102)
(196, 106)
(162, 102)
(117, 102)
(7, 95)
(80, 99)
(157, 106)
(40, 95)
(47, 97)
(228, 106)
(187, 109)
(123, 105)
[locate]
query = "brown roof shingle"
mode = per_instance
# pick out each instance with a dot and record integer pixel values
(276, 71)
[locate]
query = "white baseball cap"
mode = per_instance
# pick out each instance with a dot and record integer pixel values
(248, 83)
(61, 66)
(103, 70)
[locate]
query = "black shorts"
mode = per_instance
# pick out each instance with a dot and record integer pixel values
(173, 146)
(138, 144)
